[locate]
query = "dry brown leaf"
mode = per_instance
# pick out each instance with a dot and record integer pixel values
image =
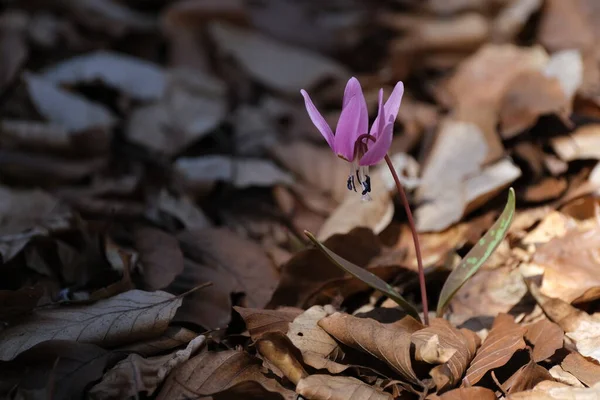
(233, 265)
(281, 67)
(504, 339)
(583, 143)
(136, 374)
(326, 387)
(562, 376)
(545, 337)
(27, 214)
(13, 45)
(127, 317)
(527, 377)
(512, 18)
(259, 321)
(281, 356)
(14, 303)
(160, 256)
(182, 208)
(60, 367)
(463, 342)
(318, 349)
(173, 337)
(567, 25)
(583, 369)
(548, 188)
(135, 77)
(388, 342)
(548, 390)
(229, 373)
(470, 393)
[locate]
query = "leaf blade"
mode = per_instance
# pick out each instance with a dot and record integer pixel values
(477, 256)
(365, 276)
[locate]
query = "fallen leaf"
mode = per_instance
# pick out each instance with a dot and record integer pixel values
(134, 77)
(259, 321)
(511, 20)
(228, 373)
(288, 69)
(562, 376)
(182, 208)
(137, 374)
(233, 265)
(120, 319)
(504, 339)
(548, 390)
(469, 393)
(548, 188)
(527, 377)
(13, 45)
(27, 214)
(545, 337)
(566, 26)
(72, 111)
(203, 172)
(319, 350)
(160, 256)
(60, 368)
(463, 344)
(326, 387)
(14, 303)
(583, 143)
(583, 369)
(282, 357)
(173, 337)
(388, 342)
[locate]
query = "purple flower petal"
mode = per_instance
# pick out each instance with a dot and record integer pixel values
(346, 131)
(379, 122)
(379, 149)
(353, 89)
(392, 105)
(318, 120)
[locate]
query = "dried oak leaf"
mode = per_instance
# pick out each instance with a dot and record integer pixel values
(583, 369)
(233, 264)
(326, 387)
(59, 368)
(234, 374)
(390, 343)
(504, 339)
(281, 356)
(259, 321)
(137, 374)
(546, 337)
(308, 270)
(462, 343)
(124, 318)
(160, 256)
(319, 350)
(173, 337)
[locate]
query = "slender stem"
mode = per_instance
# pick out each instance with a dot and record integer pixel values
(413, 230)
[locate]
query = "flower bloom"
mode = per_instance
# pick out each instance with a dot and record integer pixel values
(352, 141)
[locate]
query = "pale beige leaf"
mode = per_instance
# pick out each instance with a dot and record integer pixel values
(326, 387)
(127, 317)
(318, 349)
(136, 374)
(548, 390)
(281, 356)
(583, 143)
(562, 376)
(135, 77)
(511, 20)
(281, 67)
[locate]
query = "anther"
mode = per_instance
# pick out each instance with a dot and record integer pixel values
(350, 183)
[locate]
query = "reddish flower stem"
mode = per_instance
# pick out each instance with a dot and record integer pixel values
(413, 230)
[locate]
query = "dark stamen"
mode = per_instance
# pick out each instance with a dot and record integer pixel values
(366, 185)
(358, 177)
(350, 183)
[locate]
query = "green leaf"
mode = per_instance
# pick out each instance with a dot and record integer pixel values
(471, 263)
(365, 276)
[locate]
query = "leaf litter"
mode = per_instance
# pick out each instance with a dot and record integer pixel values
(159, 170)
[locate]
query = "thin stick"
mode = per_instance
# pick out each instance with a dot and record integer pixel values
(413, 230)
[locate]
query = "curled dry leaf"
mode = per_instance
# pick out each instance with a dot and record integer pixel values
(281, 67)
(462, 345)
(326, 387)
(136, 78)
(233, 264)
(124, 318)
(527, 377)
(173, 337)
(583, 143)
(202, 172)
(73, 112)
(546, 337)
(389, 343)
(282, 357)
(136, 374)
(259, 321)
(504, 339)
(470, 393)
(227, 372)
(583, 369)
(562, 376)
(548, 390)
(160, 256)
(318, 349)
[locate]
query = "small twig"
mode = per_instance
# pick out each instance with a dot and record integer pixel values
(413, 230)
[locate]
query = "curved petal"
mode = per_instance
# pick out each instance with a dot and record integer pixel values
(353, 89)
(318, 120)
(379, 149)
(392, 105)
(346, 131)
(379, 122)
